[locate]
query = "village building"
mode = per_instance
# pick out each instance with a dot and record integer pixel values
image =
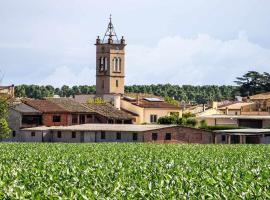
(22, 116)
(66, 112)
(252, 112)
(242, 136)
(7, 91)
(235, 108)
(148, 109)
(117, 133)
(248, 121)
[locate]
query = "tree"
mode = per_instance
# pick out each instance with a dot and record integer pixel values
(4, 129)
(253, 83)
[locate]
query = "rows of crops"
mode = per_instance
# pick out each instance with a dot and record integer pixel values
(134, 171)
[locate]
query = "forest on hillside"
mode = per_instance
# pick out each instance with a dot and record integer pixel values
(249, 84)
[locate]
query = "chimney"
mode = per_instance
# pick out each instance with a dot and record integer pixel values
(227, 111)
(214, 105)
(117, 101)
(137, 99)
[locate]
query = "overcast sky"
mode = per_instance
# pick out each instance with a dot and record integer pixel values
(173, 41)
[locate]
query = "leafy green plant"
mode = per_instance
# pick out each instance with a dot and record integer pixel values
(203, 124)
(133, 171)
(96, 100)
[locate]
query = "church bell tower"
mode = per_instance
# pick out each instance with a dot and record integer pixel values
(110, 63)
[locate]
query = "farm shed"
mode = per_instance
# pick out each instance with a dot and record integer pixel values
(117, 133)
(243, 136)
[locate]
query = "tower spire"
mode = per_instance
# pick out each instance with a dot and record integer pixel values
(110, 33)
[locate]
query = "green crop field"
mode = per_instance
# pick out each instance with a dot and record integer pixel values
(134, 171)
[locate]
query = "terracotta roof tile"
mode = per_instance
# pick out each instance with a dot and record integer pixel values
(70, 104)
(262, 96)
(107, 110)
(45, 106)
(235, 106)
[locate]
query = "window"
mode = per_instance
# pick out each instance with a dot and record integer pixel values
(114, 64)
(88, 116)
(74, 119)
(103, 135)
(116, 83)
(59, 134)
(135, 136)
(105, 64)
(236, 113)
(14, 133)
(153, 118)
(168, 136)
(154, 136)
(118, 136)
(73, 134)
(56, 118)
(33, 134)
(223, 138)
(103, 83)
(119, 65)
(101, 66)
(267, 135)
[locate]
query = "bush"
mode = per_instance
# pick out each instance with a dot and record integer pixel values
(191, 122)
(188, 115)
(168, 120)
(203, 124)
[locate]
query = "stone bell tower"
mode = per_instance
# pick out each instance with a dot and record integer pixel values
(110, 63)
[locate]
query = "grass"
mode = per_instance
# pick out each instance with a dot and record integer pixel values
(134, 171)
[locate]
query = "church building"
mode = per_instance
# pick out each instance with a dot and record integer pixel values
(110, 63)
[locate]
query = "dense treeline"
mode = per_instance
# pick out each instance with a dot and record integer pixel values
(39, 92)
(249, 84)
(185, 93)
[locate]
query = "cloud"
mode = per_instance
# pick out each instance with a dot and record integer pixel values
(65, 75)
(200, 60)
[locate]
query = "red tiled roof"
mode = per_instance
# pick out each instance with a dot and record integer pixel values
(70, 104)
(262, 96)
(45, 106)
(109, 111)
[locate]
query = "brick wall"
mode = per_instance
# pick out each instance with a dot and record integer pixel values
(48, 119)
(180, 135)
